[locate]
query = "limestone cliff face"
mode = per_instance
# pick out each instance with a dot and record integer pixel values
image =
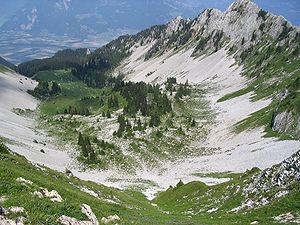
(286, 122)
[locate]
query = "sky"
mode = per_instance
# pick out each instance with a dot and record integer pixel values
(290, 9)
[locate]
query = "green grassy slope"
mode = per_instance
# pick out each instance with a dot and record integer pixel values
(272, 70)
(213, 205)
(132, 207)
(193, 203)
(73, 92)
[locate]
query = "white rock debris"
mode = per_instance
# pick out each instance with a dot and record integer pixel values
(15, 209)
(53, 195)
(65, 220)
(88, 191)
(38, 194)
(280, 177)
(24, 181)
(4, 221)
(110, 219)
(287, 218)
(86, 209)
(212, 210)
(3, 199)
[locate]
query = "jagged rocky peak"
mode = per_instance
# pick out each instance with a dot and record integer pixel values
(246, 19)
(208, 18)
(243, 22)
(175, 24)
(243, 5)
(238, 21)
(243, 25)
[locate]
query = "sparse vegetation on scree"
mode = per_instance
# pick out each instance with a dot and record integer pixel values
(99, 122)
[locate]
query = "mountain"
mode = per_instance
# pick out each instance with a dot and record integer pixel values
(62, 59)
(200, 115)
(7, 64)
(263, 44)
(244, 56)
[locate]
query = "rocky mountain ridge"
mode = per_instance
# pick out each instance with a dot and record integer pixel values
(39, 28)
(242, 25)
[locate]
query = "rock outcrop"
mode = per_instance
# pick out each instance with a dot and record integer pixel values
(53, 195)
(12, 210)
(271, 184)
(24, 181)
(110, 219)
(286, 122)
(85, 209)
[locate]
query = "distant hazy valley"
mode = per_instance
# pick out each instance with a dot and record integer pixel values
(38, 29)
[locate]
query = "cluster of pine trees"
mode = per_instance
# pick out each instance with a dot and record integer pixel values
(127, 128)
(87, 150)
(183, 90)
(145, 98)
(95, 72)
(61, 60)
(45, 89)
(92, 148)
(170, 84)
(72, 110)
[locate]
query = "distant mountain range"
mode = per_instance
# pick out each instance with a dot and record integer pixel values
(39, 28)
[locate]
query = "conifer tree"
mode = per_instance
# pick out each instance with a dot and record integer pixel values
(80, 139)
(108, 114)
